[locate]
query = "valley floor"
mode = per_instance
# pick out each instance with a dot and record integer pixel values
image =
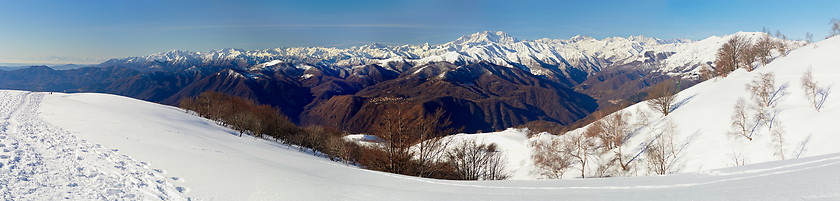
(97, 146)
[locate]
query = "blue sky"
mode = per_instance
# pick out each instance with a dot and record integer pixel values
(82, 31)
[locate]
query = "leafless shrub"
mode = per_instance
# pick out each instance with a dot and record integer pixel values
(763, 90)
(749, 56)
(477, 161)
(782, 47)
(779, 144)
(642, 118)
(663, 152)
(731, 55)
(432, 145)
(740, 121)
(581, 148)
(738, 158)
(813, 93)
(393, 129)
(802, 147)
(662, 97)
(612, 134)
(762, 49)
(706, 72)
(551, 157)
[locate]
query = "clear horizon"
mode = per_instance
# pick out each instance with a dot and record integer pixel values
(91, 31)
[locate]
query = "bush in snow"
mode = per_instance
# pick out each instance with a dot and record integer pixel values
(612, 131)
(550, 158)
(778, 143)
(662, 97)
(813, 93)
(740, 121)
(472, 160)
(662, 153)
(731, 55)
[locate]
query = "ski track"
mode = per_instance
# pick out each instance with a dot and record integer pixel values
(40, 161)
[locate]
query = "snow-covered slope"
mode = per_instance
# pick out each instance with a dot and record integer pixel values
(96, 146)
(702, 114)
(702, 117)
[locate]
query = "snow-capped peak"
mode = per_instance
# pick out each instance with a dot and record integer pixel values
(486, 37)
(578, 38)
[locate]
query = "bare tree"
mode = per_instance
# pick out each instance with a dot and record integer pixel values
(554, 157)
(393, 129)
(809, 86)
(738, 158)
(809, 37)
(611, 130)
(642, 118)
(781, 46)
(662, 152)
(835, 27)
(582, 148)
(662, 97)
(763, 89)
(779, 143)
(551, 158)
(762, 49)
(472, 160)
(802, 147)
(615, 129)
(780, 35)
(706, 72)
(432, 142)
(749, 55)
(731, 55)
(496, 165)
(739, 126)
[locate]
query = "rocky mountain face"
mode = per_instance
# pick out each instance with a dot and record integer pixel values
(476, 97)
(484, 81)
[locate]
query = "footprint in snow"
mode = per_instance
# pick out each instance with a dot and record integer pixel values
(160, 171)
(176, 179)
(182, 189)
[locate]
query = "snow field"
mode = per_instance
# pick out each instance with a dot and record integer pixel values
(40, 161)
(212, 163)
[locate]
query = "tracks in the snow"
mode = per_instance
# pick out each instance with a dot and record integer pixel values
(39, 161)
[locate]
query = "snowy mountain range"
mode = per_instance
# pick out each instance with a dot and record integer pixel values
(122, 148)
(549, 57)
(87, 146)
(486, 77)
